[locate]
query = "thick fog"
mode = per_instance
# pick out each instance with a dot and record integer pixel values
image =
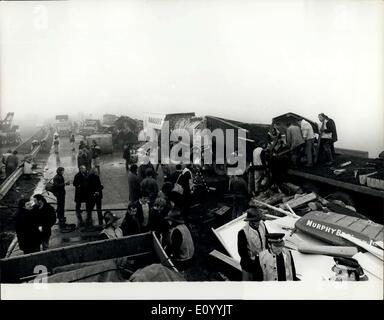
(243, 60)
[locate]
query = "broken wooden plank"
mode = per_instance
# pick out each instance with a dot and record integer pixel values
(162, 255)
(337, 183)
(12, 269)
(287, 213)
(377, 252)
(220, 211)
(336, 251)
(226, 259)
(294, 203)
(370, 264)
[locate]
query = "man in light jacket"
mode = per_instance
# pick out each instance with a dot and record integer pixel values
(251, 240)
(309, 137)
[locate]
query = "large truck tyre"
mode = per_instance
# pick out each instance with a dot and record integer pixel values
(342, 196)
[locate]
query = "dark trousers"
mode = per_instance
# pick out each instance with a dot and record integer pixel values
(185, 207)
(326, 150)
(60, 198)
(296, 154)
(9, 171)
(309, 151)
(90, 205)
(78, 212)
(31, 248)
(45, 241)
(239, 206)
(333, 149)
(184, 264)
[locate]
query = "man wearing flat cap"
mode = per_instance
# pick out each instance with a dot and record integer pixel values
(180, 246)
(251, 240)
(276, 262)
(347, 269)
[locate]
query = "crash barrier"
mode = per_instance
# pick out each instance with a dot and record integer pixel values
(25, 147)
(11, 180)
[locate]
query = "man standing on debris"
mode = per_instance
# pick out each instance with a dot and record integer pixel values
(59, 184)
(11, 163)
(80, 184)
(295, 142)
(133, 184)
(251, 240)
(180, 246)
(46, 218)
(27, 227)
(239, 191)
(328, 136)
(309, 137)
(94, 197)
(276, 263)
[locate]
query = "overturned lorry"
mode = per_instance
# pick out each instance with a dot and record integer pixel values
(215, 143)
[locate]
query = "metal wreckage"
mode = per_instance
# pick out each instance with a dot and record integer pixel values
(316, 208)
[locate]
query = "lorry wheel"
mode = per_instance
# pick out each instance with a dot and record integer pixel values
(342, 196)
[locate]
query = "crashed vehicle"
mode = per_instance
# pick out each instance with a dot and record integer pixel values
(314, 235)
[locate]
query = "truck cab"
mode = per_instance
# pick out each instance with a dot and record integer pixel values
(63, 125)
(89, 127)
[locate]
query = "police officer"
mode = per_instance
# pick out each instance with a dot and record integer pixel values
(276, 262)
(347, 269)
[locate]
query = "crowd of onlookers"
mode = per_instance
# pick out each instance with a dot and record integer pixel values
(162, 209)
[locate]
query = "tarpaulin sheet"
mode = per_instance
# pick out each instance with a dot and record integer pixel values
(112, 270)
(156, 273)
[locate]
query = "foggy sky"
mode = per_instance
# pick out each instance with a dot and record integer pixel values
(243, 60)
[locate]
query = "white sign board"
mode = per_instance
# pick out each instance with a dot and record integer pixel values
(154, 121)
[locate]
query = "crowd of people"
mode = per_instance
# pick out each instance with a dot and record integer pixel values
(300, 139)
(165, 209)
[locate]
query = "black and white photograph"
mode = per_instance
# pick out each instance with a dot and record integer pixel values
(180, 149)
